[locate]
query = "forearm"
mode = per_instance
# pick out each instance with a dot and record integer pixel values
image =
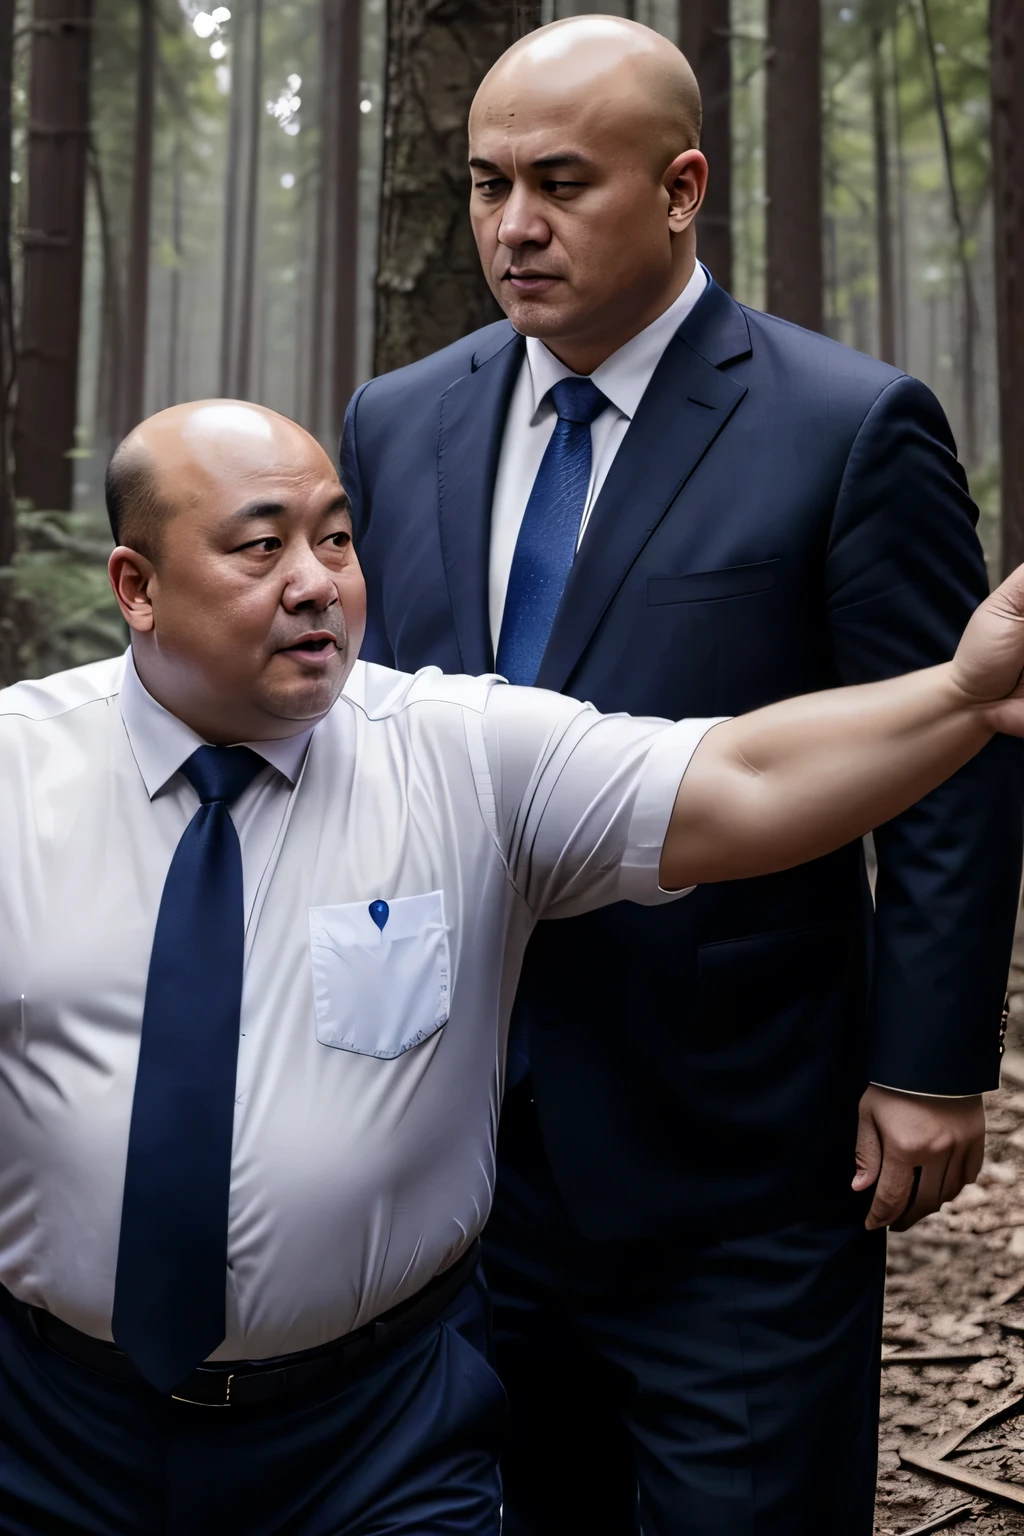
(798, 779)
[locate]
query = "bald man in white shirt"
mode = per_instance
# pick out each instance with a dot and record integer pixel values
(260, 940)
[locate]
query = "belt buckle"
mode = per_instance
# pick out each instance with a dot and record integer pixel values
(196, 1402)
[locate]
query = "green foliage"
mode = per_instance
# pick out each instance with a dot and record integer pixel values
(58, 607)
(186, 99)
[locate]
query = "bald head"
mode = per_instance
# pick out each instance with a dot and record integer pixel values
(234, 569)
(165, 463)
(633, 72)
(586, 180)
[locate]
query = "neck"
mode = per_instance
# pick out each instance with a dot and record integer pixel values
(584, 353)
(216, 720)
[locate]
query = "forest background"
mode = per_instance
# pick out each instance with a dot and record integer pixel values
(267, 199)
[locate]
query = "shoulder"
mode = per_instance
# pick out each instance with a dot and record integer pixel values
(58, 723)
(381, 694)
(432, 375)
(836, 389)
(820, 359)
(50, 698)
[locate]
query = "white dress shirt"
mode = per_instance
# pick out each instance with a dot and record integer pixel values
(531, 418)
(370, 1063)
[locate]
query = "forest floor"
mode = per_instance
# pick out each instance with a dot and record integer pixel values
(955, 1297)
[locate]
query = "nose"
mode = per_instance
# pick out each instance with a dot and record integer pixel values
(310, 587)
(522, 222)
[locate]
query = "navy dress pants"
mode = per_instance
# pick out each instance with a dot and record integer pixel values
(407, 1445)
(723, 1390)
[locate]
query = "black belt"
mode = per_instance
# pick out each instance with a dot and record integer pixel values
(242, 1383)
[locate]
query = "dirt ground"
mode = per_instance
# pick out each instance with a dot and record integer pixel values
(955, 1295)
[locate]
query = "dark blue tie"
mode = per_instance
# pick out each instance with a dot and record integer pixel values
(172, 1257)
(549, 533)
(544, 553)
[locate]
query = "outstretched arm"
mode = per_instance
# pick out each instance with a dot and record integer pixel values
(795, 780)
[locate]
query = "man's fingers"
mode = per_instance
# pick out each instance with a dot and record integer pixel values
(928, 1195)
(895, 1183)
(956, 1176)
(964, 1167)
(868, 1154)
(942, 1139)
(942, 1179)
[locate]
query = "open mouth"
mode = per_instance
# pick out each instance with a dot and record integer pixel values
(529, 282)
(313, 647)
(316, 648)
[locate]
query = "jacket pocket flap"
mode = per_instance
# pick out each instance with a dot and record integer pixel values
(710, 586)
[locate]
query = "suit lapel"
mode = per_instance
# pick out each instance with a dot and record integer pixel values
(685, 407)
(472, 421)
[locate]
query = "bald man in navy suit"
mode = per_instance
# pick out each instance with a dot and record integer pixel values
(641, 493)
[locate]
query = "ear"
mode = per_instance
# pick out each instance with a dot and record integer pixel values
(130, 576)
(685, 181)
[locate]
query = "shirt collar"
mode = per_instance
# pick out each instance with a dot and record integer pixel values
(625, 375)
(161, 742)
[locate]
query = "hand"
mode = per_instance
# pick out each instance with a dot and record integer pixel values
(989, 660)
(901, 1132)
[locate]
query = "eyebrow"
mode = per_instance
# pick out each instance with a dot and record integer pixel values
(260, 508)
(255, 509)
(546, 162)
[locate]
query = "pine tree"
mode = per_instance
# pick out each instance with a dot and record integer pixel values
(58, 134)
(793, 163)
(1007, 24)
(430, 290)
(705, 38)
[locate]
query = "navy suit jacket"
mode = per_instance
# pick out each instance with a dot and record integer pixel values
(783, 515)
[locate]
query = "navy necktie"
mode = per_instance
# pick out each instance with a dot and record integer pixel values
(169, 1292)
(544, 553)
(549, 533)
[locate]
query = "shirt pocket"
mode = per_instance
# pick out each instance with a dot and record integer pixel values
(380, 991)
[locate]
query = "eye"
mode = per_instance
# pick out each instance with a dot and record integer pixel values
(562, 186)
(490, 187)
(268, 545)
(340, 540)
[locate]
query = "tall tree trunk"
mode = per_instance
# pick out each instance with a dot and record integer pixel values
(527, 13)
(328, 137)
(346, 208)
(137, 307)
(229, 257)
(261, 311)
(174, 308)
(705, 36)
(303, 305)
(247, 281)
(109, 371)
(7, 530)
(933, 340)
(793, 169)
(883, 191)
(430, 290)
(58, 135)
(1007, 23)
(969, 305)
(903, 276)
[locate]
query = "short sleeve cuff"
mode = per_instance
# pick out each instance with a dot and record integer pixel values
(667, 762)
